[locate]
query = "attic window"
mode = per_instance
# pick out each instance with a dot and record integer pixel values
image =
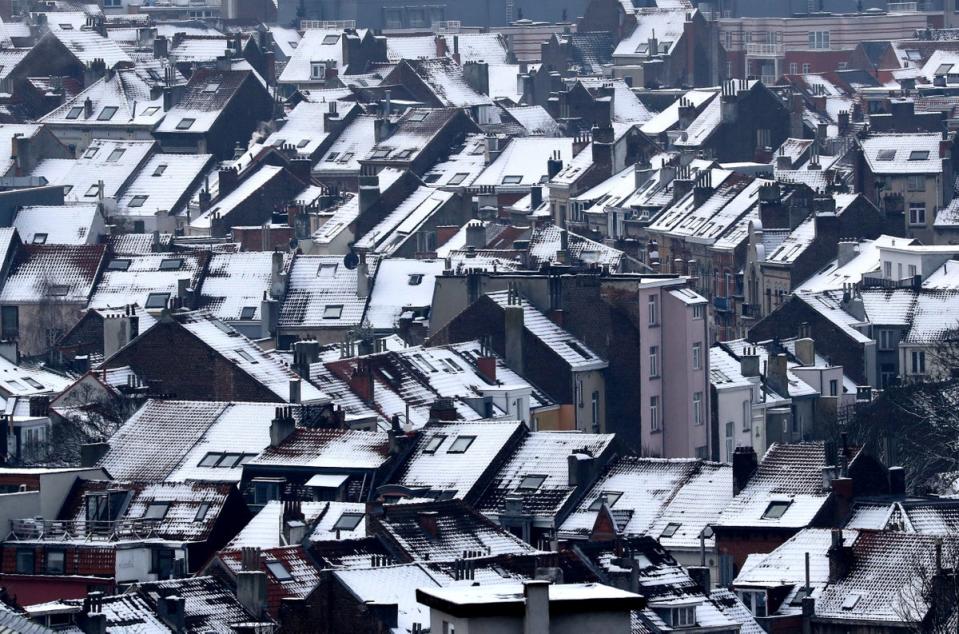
(34, 384)
(115, 155)
(211, 87)
(156, 510)
(171, 264)
(332, 311)
(303, 143)
(331, 157)
(58, 290)
(943, 69)
(152, 110)
(317, 70)
(278, 570)
(919, 155)
(578, 349)
(279, 143)
(380, 154)
(248, 312)
(210, 460)
(851, 600)
(418, 115)
(346, 158)
(886, 155)
(93, 190)
(138, 200)
(39, 238)
(157, 300)
(608, 497)
(348, 522)
(431, 178)
(512, 180)
(670, 530)
(531, 483)
(107, 113)
(91, 152)
(185, 124)
(326, 270)
(160, 169)
(75, 112)
(461, 444)
(434, 443)
(118, 265)
(458, 178)
(415, 279)
(201, 512)
(246, 356)
(66, 27)
(330, 39)
(776, 510)
(405, 154)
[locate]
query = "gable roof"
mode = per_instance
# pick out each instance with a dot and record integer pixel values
(206, 96)
(56, 272)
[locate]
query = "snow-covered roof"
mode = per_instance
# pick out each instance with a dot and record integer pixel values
(625, 106)
(321, 292)
(305, 127)
(523, 163)
(247, 187)
(669, 117)
(535, 119)
(664, 24)
(197, 50)
(163, 184)
(353, 143)
(64, 224)
(52, 273)
(399, 285)
(206, 96)
(120, 98)
(132, 280)
(316, 45)
(446, 81)
(332, 449)
(89, 46)
(393, 585)
(915, 153)
(234, 285)
(113, 162)
(403, 221)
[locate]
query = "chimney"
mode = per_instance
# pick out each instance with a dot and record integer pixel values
(776, 374)
(362, 278)
(476, 234)
(492, 147)
(277, 276)
(842, 491)
(456, 49)
(701, 575)
(172, 611)
(745, 464)
(427, 522)
(848, 250)
(305, 354)
(749, 363)
(579, 469)
(840, 557)
(87, 108)
(361, 381)
(536, 613)
(443, 408)
(161, 47)
(513, 316)
(486, 365)
(269, 312)
(91, 453)
(251, 591)
(897, 481)
(554, 165)
(228, 178)
(476, 75)
(441, 48)
(535, 197)
(281, 426)
(369, 190)
(295, 390)
(806, 351)
(183, 292)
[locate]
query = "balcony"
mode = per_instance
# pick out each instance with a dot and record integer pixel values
(722, 304)
(89, 530)
(764, 49)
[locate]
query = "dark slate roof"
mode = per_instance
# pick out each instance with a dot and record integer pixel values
(592, 49)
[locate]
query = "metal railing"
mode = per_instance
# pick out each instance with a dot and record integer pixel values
(91, 530)
(327, 24)
(768, 49)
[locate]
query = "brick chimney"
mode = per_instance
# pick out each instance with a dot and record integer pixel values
(745, 464)
(840, 557)
(361, 381)
(251, 583)
(282, 425)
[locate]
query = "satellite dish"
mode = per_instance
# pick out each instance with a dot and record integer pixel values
(351, 260)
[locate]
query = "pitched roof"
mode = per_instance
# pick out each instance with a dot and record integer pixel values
(916, 153)
(53, 273)
(204, 100)
(317, 283)
(58, 224)
(336, 449)
(132, 280)
(237, 281)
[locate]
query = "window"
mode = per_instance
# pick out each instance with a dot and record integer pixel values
(654, 423)
(246, 356)
(137, 201)
(917, 214)
(210, 459)
(56, 561)
(278, 570)
(185, 123)
(806, 68)
(699, 311)
(919, 155)
(819, 39)
(431, 178)
(160, 169)
(653, 361)
(917, 183)
(58, 290)
(107, 113)
(317, 70)
(405, 154)
(201, 512)
(683, 616)
(608, 497)
(670, 530)
(331, 157)
(152, 110)
(698, 418)
(381, 153)
(512, 180)
(918, 362)
(776, 510)
(247, 312)
(461, 444)
(115, 155)
(10, 321)
(25, 558)
(833, 387)
(39, 238)
(698, 356)
(333, 311)
(75, 112)
(887, 270)
(157, 300)
(171, 264)
(793, 68)
(211, 87)
(913, 271)
(653, 310)
(886, 155)
(348, 522)
(755, 601)
(764, 137)
(156, 510)
(418, 115)
(887, 339)
(595, 405)
(434, 443)
(94, 190)
(531, 483)
(118, 265)
(458, 178)
(415, 279)
(331, 39)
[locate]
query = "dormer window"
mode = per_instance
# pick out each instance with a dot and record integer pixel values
(317, 70)
(39, 238)
(683, 616)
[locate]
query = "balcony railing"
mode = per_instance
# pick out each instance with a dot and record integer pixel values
(764, 49)
(91, 530)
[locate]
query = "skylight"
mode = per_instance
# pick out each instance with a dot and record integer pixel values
(156, 510)
(115, 155)
(58, 290)
(332, 311)
(330, 39)
(512, 180)
(776, 510)
(434, 443)
(157, 300)
(107, 113)
(75, 112)
(211, 87)
(415, 279)
(39, 238)
(152, 110)
(171, 264)
(118, 265)
(458, 178)
(138, 200)
(851, 600)
(160, 169)
(201, 512)
(919, 155)
(670, 530)
(278, 570)
(886, 155)
(246, 356)
(32, 383)
(185, 124)
(461, 444)
(91, 152)
(348, 521)
(418, 115)
(609, 497)
(531, 483)
(381, 153)
(248, 312)
(93, 190)
(303, 143)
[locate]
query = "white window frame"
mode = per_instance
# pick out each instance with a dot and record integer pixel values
(698, 418)
(653, 361)
(655, 422)
(917, 214)
(653, 311)
(698, 355)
